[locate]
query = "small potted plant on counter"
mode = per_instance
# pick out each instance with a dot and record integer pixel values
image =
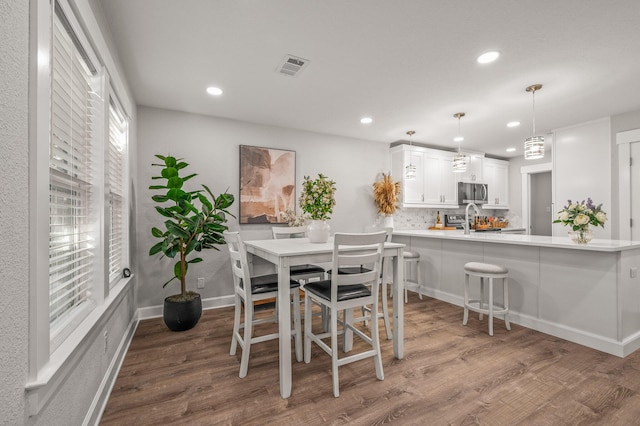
(193, 221)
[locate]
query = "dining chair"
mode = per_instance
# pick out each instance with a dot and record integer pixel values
(345, 292)
(366, 310)
(247, 290)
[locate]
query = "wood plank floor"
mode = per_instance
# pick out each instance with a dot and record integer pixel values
(451, 374)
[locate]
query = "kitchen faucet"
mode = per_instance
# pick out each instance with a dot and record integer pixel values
(466, 217)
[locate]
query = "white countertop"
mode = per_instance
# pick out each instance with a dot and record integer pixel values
(519, 239)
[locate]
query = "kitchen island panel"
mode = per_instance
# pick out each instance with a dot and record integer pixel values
(523, 265)
(578, 290)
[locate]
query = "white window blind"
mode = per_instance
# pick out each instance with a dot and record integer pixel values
(116, 175)
(75, 116)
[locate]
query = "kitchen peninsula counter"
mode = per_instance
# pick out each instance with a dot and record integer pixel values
(588, 294)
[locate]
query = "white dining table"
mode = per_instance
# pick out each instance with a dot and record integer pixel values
(284, 253)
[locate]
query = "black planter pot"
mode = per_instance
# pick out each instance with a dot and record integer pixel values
(181, 315)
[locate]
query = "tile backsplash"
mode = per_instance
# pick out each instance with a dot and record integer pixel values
(416, 218)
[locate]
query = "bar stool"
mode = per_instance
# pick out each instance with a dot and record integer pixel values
(486, 270)
(411, 263)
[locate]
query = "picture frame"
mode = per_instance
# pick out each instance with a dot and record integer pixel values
(267, 184)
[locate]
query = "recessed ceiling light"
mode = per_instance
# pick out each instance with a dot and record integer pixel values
(513, 124)
(510, 149)
(366, 120)
(215, 91)
(488, 57)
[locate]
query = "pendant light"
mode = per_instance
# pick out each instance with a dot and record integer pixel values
(534, 146)
(459, 160)
(410, 170)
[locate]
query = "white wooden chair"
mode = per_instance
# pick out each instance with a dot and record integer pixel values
(247, 290)
(345, 292)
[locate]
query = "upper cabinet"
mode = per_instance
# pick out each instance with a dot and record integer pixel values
(496, 176)
(475, 168)
(435, 184)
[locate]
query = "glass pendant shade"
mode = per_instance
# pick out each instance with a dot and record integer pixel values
(410, 170)
(534, 148)
(460, 163)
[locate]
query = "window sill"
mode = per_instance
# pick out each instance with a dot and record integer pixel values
(63, 361)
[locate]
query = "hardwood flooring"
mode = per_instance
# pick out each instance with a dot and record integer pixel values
(451, 374)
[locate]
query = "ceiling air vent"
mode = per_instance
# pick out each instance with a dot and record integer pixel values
(292, 65)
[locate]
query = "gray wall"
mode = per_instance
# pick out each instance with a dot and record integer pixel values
(515, 183)
(14, 250)
(541, 215)
(210, 146)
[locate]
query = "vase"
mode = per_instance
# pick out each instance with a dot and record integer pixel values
(581, 236)
(318, 231)
(387, 221)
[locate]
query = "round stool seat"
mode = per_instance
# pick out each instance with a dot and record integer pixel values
(411, 255)
(485, 268)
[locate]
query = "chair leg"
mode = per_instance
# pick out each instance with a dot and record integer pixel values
(481, 303)
(307, 328)
(248, 332)
(375, 342)
(490, 306)
(418, 279)
(334, 353)
(296, 324)
(385, 310)
(465, 317)
(506, 303)
(236, 325)
(347, 337)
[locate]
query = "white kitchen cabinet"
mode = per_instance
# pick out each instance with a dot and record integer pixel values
(496, 176)
(475, 168)
(435, 184)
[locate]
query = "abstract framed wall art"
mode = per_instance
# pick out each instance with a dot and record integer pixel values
(267, 184)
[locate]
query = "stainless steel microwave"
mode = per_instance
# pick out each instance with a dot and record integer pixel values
(472, 192)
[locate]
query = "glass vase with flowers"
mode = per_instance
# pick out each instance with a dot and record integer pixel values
(579, 216)
(317, 201)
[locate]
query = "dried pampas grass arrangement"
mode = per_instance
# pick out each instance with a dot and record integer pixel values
(385, 195)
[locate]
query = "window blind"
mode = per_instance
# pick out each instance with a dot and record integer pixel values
(115, 171)
(75, 115)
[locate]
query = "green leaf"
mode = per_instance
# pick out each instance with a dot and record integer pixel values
(170, 161)
(195, 260)
(169, 172)
(205, 202)
(163, 211)
(175, 194)
(162, 157)
(157, 248)
(224, 200)
(165, 284)
(177, 269)
(175, 229)
(159, 198)
(157, 187)
(181, 165)
(175, 182)
(186, 178)
(156, 232)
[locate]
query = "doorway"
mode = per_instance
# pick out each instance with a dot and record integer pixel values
(528, 174)
(629, 184)
(540, 204)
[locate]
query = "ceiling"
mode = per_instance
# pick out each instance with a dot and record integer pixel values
(408, 64)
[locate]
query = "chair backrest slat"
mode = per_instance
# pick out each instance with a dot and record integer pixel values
(239, 263)
(360, 250)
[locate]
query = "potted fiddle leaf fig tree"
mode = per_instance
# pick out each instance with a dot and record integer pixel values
(193, 221)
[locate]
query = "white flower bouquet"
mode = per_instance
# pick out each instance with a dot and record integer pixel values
(580, 215)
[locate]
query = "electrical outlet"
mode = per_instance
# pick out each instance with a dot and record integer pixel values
(633, 272)
(201, 282)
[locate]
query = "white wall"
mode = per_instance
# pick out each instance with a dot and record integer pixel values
(582, 168)
(619, 123)
(211, 146)
(14, 250)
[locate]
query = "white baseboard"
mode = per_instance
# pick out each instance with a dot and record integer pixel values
(208, 303)
(604, 344)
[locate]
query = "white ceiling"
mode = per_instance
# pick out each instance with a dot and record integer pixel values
(409, 64)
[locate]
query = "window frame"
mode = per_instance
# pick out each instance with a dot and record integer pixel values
(49, 369)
